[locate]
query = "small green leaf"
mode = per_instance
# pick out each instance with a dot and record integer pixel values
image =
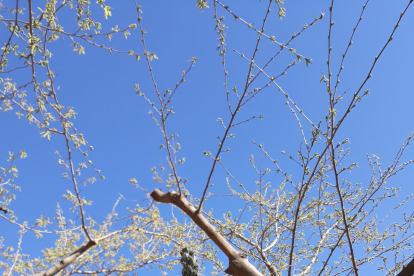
(23, 154)
(107, 11)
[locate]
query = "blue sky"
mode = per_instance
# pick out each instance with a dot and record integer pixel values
(100, 86)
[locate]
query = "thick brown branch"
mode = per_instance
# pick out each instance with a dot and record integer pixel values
(408, 270)
(181, 202)
(238, 262)
(68, 260)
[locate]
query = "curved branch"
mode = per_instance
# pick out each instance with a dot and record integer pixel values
(68, 260)
(238, 262)
(181, 202)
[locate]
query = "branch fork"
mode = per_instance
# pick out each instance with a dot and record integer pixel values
(238, 262)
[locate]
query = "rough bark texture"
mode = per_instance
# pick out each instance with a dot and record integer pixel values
(238, 263)
(67, 261)
(408, 270)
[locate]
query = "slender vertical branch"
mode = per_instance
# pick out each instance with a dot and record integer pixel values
(161, 100)
(236, 110)
(341, 67)
(75, 183)
(331, 127)
(5, 51)
(304, 187)
(343, 211)
(31, 44)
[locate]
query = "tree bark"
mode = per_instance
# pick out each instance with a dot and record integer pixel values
(238, 263)
(68, 260)
(408, 270)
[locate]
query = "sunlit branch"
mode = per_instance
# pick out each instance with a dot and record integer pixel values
(237, 261)
(113, 270)
(17, 254)
(63, 263)
(317, 250)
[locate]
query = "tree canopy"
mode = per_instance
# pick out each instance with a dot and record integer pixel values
(206, 137)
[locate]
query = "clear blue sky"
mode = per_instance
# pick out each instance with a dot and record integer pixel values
(100, 86)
